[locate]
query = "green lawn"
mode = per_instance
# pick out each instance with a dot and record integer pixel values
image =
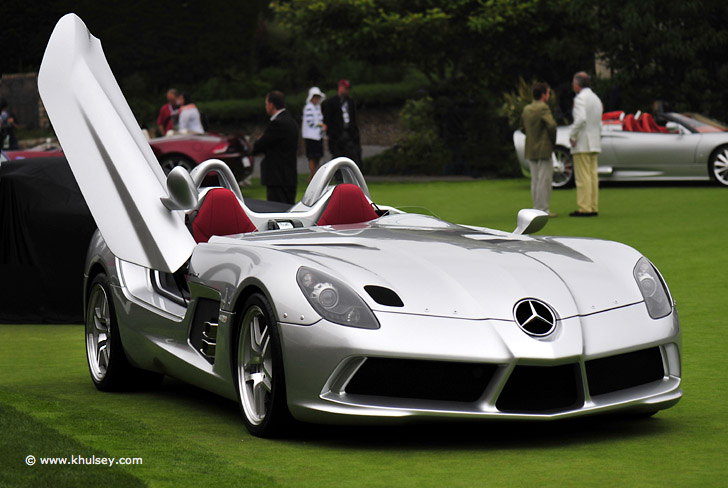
(187, 437)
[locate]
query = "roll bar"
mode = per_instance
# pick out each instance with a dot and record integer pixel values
(199, 172)
(350, 173)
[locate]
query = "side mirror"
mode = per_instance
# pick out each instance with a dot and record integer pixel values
(181, 189)
(531, 220)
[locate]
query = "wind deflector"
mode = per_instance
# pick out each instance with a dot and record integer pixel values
(115, 168)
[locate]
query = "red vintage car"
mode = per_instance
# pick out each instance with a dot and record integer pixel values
(179, 150)
(47, 150)
(190, 150)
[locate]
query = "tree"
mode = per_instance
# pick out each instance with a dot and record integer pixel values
(486, 41)
(469, 50)
(165, 41)
(671, 50)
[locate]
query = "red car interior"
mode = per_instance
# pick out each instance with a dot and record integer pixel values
(629, 123)
(220, 215)
(348, 205)
(616, 115)
(649, 124)
(645, 123)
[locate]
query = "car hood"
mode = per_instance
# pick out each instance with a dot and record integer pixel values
(443, 269)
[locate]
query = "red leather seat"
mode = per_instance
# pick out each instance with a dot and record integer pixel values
(616, 115)
(347, 205)
(220, 215)
(630, 124)
(649, 124)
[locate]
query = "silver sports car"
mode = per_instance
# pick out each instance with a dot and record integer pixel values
(340, 310)
(689, 147)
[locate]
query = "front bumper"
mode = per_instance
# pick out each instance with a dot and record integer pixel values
(513, 375)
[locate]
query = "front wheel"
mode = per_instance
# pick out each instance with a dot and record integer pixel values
(258, 372)
(107, 363)
(719, 165)
(563, 168)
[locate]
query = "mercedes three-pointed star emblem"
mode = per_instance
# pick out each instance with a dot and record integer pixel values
(534, 317)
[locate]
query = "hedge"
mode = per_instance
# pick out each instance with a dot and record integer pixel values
(366, 95)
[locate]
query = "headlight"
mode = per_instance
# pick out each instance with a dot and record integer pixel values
(334, 300)
(654, 291)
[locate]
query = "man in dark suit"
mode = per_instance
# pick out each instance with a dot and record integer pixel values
(279, 143)
(341, 124)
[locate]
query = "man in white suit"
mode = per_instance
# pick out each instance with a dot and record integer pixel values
(585, 137)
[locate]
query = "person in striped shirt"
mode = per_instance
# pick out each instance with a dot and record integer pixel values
(313, 129)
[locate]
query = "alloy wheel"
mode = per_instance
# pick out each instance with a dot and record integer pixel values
(720, 166)
(168, 164)
(563, 168)
(98, 332)
(255, 363)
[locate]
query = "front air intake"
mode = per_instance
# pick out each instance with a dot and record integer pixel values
(614, 373)
(542, 389)
(422, 380)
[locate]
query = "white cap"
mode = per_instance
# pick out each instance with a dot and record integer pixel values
(314, 91)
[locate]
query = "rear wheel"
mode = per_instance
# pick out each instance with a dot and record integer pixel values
(563, 168)
(258, 372)
(718, 165)
(107, 363)
(169, 162)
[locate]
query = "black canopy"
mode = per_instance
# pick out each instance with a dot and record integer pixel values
(45, 230)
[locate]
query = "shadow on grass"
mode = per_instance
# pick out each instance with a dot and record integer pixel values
(658, 184)
(483, 435)
(432, 435)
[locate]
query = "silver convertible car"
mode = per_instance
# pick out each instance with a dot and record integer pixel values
(689, 147)
(339, 310)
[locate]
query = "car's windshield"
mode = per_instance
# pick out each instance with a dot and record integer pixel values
(698, 123)
(707, 121)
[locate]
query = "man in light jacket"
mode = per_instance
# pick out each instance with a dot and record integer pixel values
(585, 137)
(540, 129)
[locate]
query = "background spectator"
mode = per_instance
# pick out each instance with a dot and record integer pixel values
(190, 121)
(341, 124)
(540, 129)
(168, 113)
(7, 128)
(313, 128)
(279, 143)
(585, 137)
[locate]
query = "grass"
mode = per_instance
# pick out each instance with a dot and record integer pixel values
(188, 437)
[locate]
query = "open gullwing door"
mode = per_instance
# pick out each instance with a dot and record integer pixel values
(118, 174)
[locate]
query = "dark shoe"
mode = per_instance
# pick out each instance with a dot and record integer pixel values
(593, 214)
(580, 214)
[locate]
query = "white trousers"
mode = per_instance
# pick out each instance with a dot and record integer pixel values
(542, 175)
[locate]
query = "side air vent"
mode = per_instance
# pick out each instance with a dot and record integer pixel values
(384, 296)
(203, 332)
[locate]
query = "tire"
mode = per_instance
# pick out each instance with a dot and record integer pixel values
(563, 168)
(258, 370)
(107, 363)
(171, 161)
(718, 165)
